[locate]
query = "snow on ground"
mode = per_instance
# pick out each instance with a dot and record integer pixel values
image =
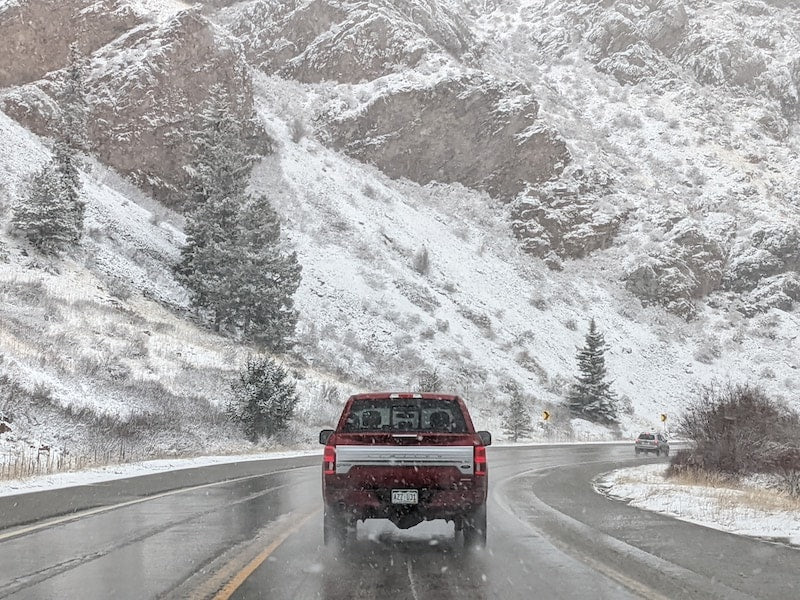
(485, 313)
(160, 10)
(53, 481)
(743, 511)
(111, 472)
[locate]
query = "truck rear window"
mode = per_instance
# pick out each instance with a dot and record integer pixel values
(386, 414)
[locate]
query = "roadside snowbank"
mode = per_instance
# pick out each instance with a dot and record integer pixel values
(110, 472)
(740, 511)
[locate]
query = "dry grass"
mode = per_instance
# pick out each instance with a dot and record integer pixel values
(732, 493)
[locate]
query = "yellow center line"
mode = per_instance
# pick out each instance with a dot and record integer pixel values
(234, 584)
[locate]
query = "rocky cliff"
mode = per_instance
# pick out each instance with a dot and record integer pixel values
(147, 75)
(470, 129)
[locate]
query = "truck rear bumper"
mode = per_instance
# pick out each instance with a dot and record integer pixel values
(376, 504)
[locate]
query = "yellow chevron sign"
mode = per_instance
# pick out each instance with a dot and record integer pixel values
(545, 415)
(663, 417)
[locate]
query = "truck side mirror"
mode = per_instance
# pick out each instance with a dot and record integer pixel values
(325, 435)
(485, 437)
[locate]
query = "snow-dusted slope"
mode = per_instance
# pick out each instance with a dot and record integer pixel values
(678, 202)
(690, 109)
(97, 357)
(486, 313)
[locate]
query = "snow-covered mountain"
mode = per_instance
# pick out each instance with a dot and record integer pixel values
(635, 161)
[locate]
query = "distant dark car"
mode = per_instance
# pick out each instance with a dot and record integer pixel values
(652, 442)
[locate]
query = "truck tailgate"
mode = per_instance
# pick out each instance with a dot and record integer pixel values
(423, 457)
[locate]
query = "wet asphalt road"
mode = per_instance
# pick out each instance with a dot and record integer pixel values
(260, 536)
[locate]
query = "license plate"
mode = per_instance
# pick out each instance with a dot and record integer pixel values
(405, 497)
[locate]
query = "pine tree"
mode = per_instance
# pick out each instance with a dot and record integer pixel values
(266, 278)
(72, 103)
(517, 419)
(51, 216)
(222, 163)
(233, 263)
(264, 398)
(591, 396)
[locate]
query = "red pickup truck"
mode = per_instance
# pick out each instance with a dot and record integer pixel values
(406, 457)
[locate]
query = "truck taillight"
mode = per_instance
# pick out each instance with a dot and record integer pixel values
(480, 460)
(329, 460)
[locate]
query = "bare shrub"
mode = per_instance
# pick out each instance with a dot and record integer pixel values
(626, 120)
(738, 430)
(298, 130)
(528, 362)
(557, 385)
(327, 406)
(369, 191)
(481, 320)
(418, 295)
(422, 261)
(429, 380)
(427, 334)
(538, 302)
(708, 350)
(41, 394)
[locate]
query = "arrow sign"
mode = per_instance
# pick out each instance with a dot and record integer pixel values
(663, 417)
(545, 415)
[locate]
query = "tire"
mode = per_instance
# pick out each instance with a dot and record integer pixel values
(475, 529)
(666, 452)
(334, 528)
(658, 452)
(638, 452)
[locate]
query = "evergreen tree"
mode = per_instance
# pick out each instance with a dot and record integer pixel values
(51, 216)
(265, 278)
(222, 163)
(591, 396)
(517, 419)
(72, 103)
(233, 264)
(264, 398)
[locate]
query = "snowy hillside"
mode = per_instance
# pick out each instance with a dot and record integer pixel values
(626, 164)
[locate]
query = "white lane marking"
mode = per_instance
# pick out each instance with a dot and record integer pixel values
(102, 509)
(650, 560)
(411, 581)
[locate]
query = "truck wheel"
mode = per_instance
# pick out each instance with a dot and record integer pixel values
(658, 452)
(637, 451)
(334, 529)
(475, 528)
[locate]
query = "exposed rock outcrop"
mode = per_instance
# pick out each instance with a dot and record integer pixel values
(688, 267)
(639, 40)
(781, 292)
(764, 271)
(345, 41)
(563, 217)
(144, 89)
(471, 129)
(34, 40)
(771, 251)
